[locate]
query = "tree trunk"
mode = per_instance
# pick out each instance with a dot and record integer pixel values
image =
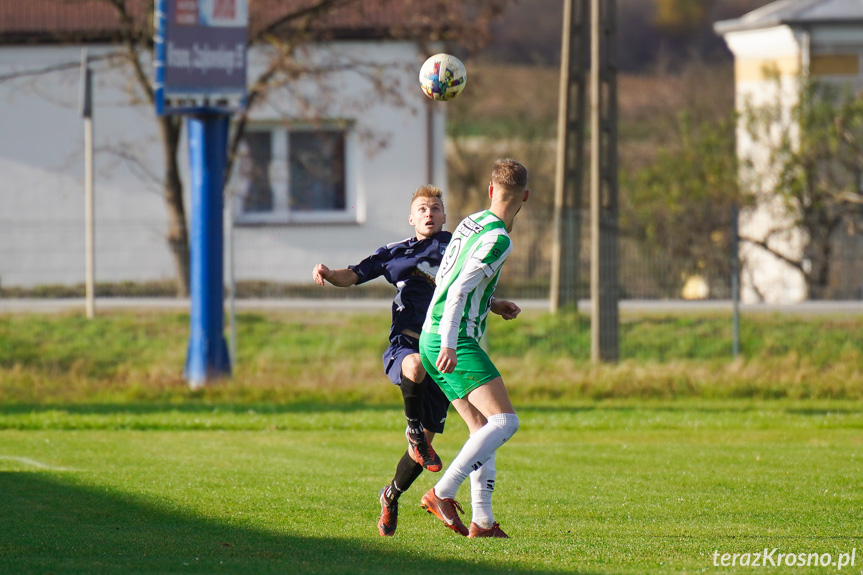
(178, 232)
(820, 250)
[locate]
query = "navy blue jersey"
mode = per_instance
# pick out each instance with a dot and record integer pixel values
(411, 266)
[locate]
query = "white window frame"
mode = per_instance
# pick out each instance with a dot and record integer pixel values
(281, 213)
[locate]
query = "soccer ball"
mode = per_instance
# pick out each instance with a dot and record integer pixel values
(443, 77)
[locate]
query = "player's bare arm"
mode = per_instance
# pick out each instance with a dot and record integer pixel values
(339, 278)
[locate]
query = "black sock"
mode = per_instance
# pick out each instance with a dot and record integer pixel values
(407, 471)
(412, 393)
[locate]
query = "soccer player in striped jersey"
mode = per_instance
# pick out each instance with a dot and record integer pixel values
(451, 353)
(410, 265)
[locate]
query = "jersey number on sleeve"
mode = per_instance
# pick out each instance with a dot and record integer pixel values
(450, 257)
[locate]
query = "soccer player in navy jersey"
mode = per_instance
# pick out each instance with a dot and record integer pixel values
(410, 265)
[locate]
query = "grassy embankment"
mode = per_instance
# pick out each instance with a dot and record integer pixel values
(334, 358)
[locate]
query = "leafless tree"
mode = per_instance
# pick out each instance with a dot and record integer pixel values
(281, 27)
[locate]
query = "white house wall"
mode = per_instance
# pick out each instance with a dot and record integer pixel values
(41, 159)
(765, 277)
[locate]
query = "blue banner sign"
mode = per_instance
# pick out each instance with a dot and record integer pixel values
(200, 55)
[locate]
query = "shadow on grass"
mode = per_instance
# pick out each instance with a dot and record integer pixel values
(143, 408)
(263, 409)
(54, 527)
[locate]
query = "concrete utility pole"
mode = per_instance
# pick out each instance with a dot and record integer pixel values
(589, 27)
(89, 212)
(604, 212)
(569, 177)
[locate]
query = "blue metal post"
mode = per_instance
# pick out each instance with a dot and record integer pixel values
(207, 357)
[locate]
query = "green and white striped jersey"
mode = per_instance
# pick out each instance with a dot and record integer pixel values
(467, 278)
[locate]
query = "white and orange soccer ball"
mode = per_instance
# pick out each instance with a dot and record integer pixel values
(443, 77)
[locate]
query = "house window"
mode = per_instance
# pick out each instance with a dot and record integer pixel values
(256, 150)
(834, 65)
(316, 163)
(293, 174)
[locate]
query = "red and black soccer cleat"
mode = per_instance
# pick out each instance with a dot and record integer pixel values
(389, 514)
(423, 453)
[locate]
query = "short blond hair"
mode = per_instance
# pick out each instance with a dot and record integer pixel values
(510, 175)
(427, 191)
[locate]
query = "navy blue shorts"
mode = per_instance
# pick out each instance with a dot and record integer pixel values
(435, 403)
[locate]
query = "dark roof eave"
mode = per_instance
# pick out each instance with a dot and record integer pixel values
(725, 26)
(55, 38)
(113, 37)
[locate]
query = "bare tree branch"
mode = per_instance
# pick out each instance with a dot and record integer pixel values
(133, 45)
(763, 245)
(304, 15)
(850, 198)
(39, 71)
(34, 72)
(142, 169)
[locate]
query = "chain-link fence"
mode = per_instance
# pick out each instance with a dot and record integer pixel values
(44, 262)
(46, 259)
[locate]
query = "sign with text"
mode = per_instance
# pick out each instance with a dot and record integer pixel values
(200, 55)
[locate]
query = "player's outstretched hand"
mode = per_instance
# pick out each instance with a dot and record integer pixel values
(320, 273)
(505, 309)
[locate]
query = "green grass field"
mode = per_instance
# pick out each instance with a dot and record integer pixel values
(617, 488)
(108, 464)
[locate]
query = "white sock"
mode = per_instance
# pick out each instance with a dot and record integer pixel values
(476, 451)
(481, 489)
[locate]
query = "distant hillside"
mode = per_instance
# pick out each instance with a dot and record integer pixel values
(530, 32)
(649, 104)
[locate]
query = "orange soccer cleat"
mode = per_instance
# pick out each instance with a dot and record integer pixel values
(493, 531)
(446, 510)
